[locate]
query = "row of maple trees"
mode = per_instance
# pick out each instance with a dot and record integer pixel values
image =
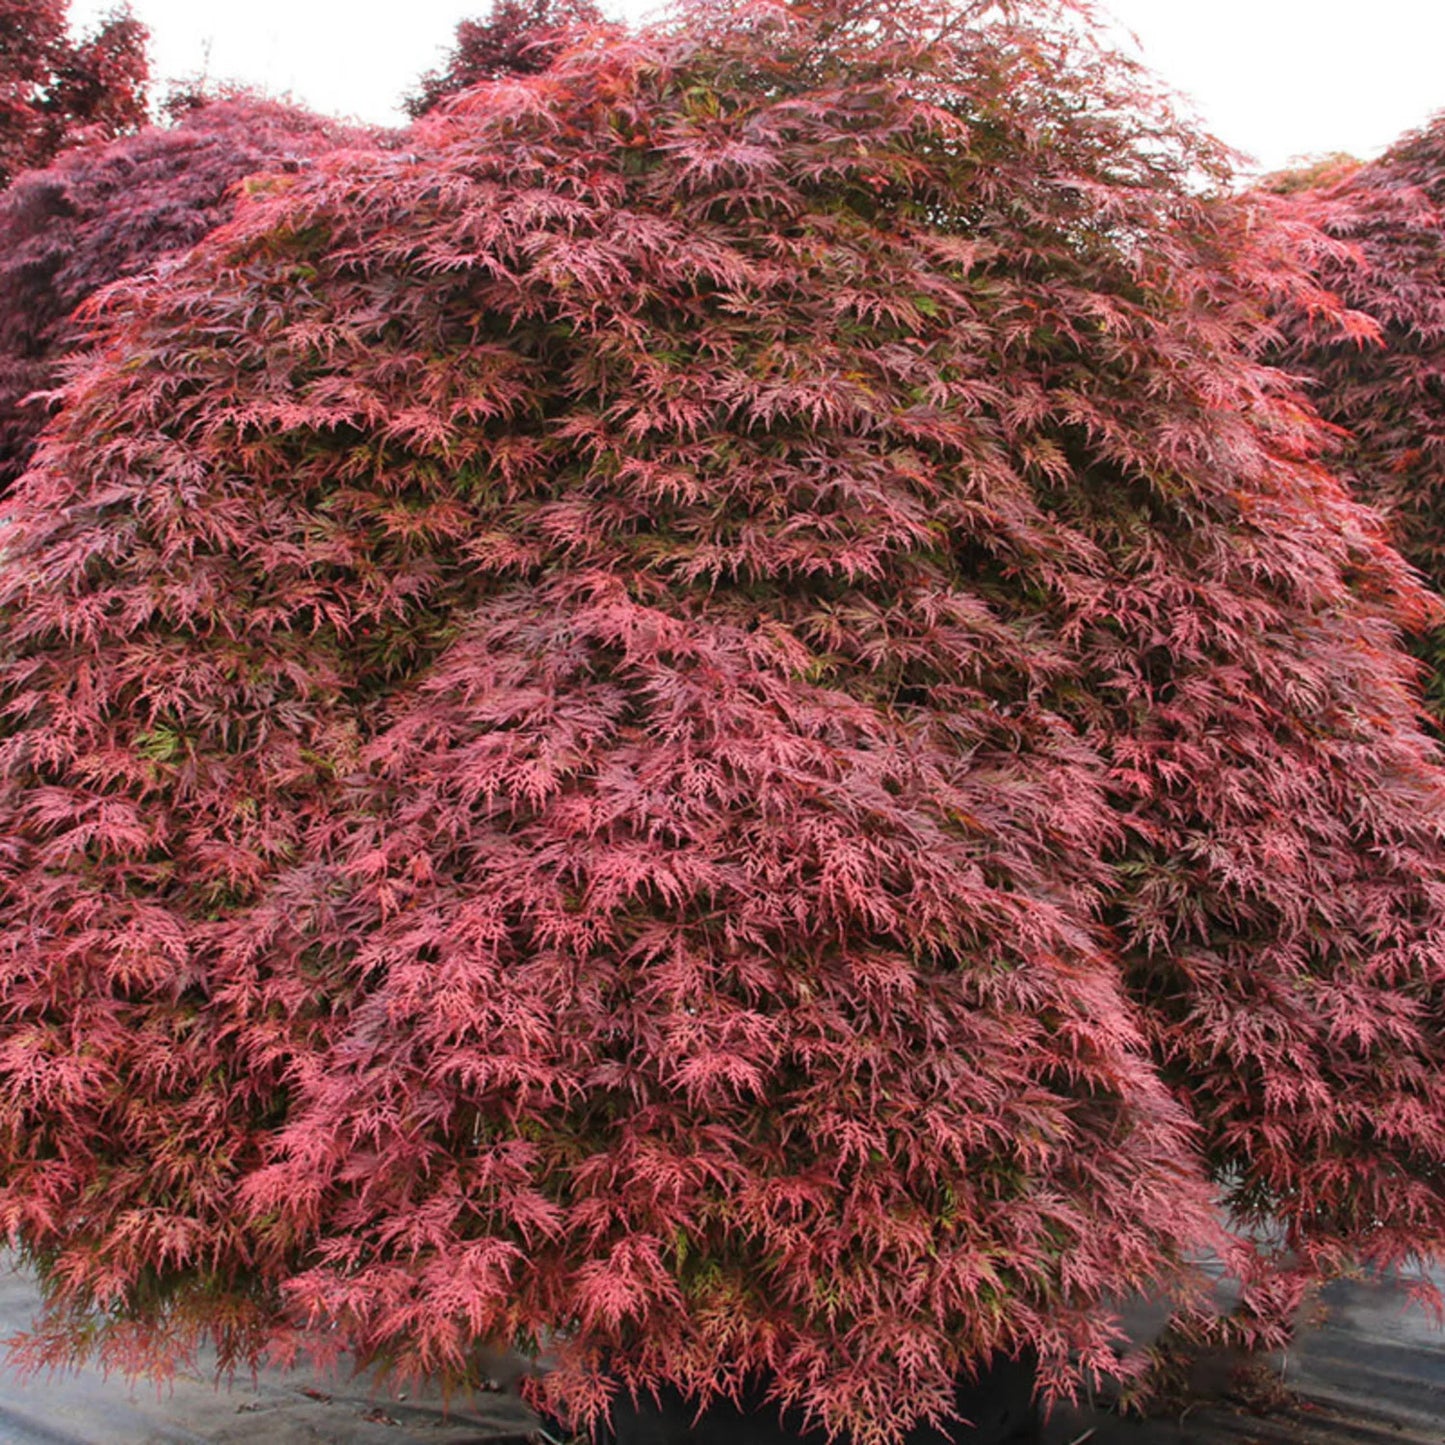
(754, 705)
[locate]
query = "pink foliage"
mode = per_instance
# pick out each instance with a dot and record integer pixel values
(518, 37)
(101, 213)
(718, 717)
(1382, 379)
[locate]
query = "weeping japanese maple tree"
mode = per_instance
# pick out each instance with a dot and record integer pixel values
(103, 212)
(715, 718)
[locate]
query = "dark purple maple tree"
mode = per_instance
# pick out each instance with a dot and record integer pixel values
(101, 213)
(718, 717)
(56, 87)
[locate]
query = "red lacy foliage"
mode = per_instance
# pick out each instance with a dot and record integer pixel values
(1384, 381)
(689, 721)
(101, 213)
(55, 89)
(518, 37)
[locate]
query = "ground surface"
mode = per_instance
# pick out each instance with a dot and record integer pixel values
(278, 1409)
(1370, 1370)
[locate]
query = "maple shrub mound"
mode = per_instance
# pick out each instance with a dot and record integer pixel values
(1386, 389)
(717, 721)
(103, 212)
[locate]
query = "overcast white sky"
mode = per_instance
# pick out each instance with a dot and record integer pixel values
(1274, 78)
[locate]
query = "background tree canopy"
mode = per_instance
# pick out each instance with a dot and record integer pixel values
(55, 87)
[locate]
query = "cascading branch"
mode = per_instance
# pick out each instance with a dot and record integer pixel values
(716, 717)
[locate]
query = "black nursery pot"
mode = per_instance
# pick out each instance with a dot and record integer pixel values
(999, 1403)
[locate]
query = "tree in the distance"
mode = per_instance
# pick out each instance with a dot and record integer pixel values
(718, 716)
(55, 88)
(518, 37)
(105, 212)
